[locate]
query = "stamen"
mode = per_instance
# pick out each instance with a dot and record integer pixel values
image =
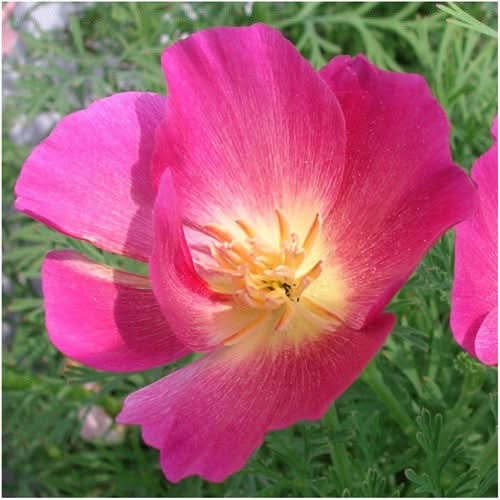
(218, 270)
(230, 256)
(311, 234)
(306, 279)
(285, 317)
(218, 232)
(294, 253)
(241, 251)
(233, 339)
(221, 258)
(314, 272)
(284, 227)
(258, 274)
(280, 273)
(247, 229)
(320, 311)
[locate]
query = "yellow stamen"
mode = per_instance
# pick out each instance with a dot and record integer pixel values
(294, 253)
(283, 226)
(306, 279)
(311, 234)
(261, 274)
(233, 339)
(230, 256)
(320, 311)
(221, 258)
(218, 232)
(247, 229)
(285, 317)
(314, 272)
(241, 251)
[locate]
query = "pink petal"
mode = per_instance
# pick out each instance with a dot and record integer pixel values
(197, 315)
(104, 318)
(486, 343)
(475, 287)
(90, 178)
(400, 191)
(251, 127)
(208, 417)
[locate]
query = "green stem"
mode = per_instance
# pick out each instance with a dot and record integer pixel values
(488, 454)
(338, 451)
(303, 14)
(471, 384)
(396, 410)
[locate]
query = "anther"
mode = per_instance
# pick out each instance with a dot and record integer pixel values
(284, 227)
(233, 339)
(218, 232)
(311, 234)
(247, 229)
(320, 311)
(285, 317)
(314, 272)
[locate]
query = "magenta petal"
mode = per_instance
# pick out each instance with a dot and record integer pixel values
(400, 190)
(251, 126)
(104, 318)
(475, 287)
(191, 308)
(486, 343)
(208, 417)
(90, 178)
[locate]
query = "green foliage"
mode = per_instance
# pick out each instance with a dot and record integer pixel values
(460, 18)
(421, 421)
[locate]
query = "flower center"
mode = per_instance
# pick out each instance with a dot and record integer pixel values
(264, 277)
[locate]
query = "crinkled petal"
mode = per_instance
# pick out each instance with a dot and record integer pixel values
(105, 318)
(90, 178)
(400, 190)
(251, 127)
(208, 417)
(474, 293)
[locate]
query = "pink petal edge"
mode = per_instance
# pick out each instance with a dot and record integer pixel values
(208, 417)
(400, 190)
(90, 179)
(251, 126)
(474, 296)
(105, 318)
(486, 342)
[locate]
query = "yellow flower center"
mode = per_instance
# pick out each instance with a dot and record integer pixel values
(263, 277)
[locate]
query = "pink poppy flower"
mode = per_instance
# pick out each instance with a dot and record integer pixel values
(279, 210)
(474, 299)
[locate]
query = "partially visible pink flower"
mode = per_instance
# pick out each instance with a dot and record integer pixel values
(9, 36)
(279, 209)
(474, 298)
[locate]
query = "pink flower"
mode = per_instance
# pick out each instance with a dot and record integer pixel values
(279, 210)
(474, 300)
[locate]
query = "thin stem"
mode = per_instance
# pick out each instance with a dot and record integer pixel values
(488, 454)
(338, 451)
(396, 410)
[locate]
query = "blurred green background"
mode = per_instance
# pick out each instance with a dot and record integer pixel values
(421, 421)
